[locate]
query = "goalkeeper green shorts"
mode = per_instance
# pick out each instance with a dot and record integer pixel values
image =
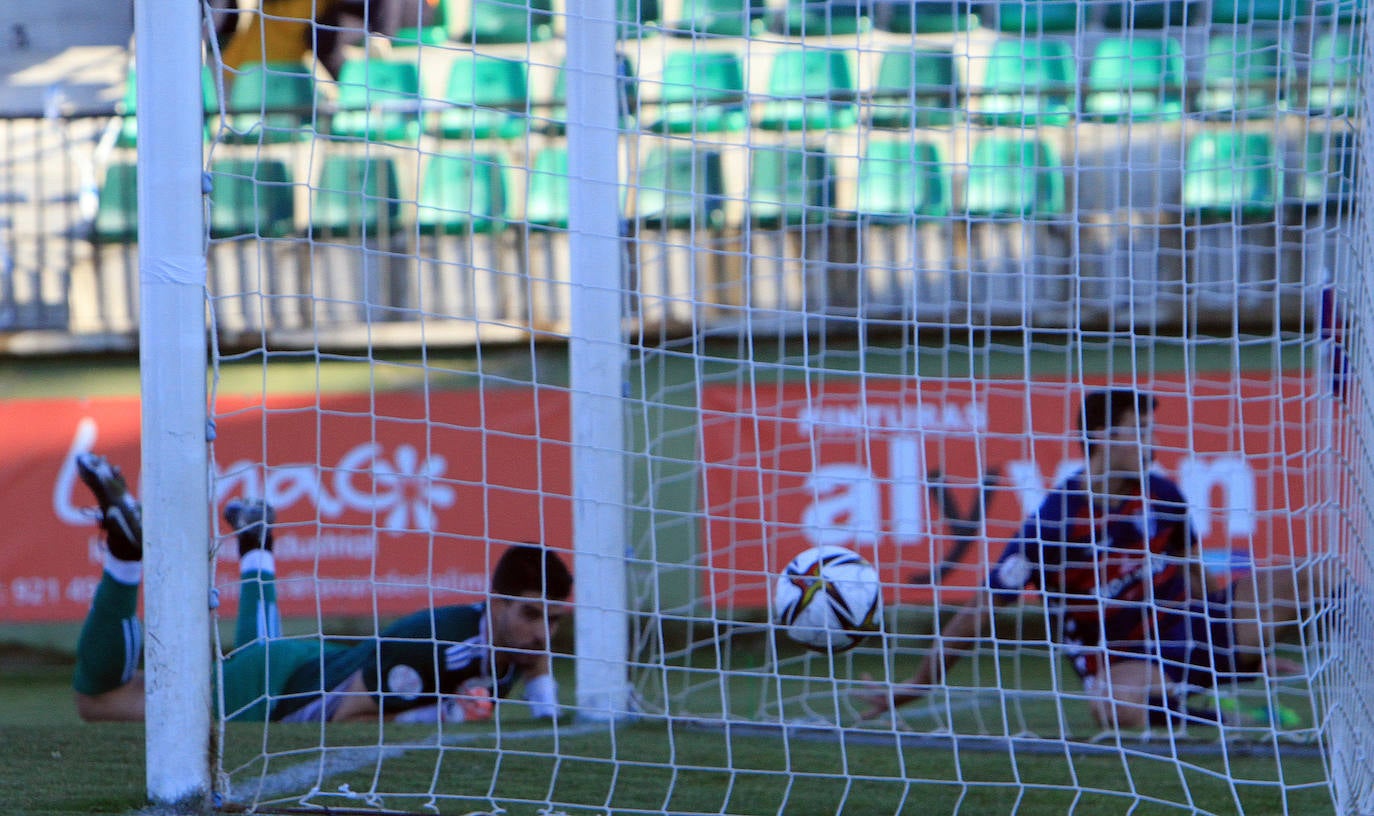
(255, 676)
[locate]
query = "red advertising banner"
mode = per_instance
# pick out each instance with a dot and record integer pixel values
(385, 502)
(928, 478)
(390, 501)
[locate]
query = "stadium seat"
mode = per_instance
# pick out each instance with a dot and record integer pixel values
(556, 120)
(1333, 75)
(1028, 81)
(1339, 10)
(810, 88)
(1330, 160)
(1130, 14)
(116, 216)
(461, 214)
(509, 21)
(923, 16)
(252, 198)
(462, 194)
(1240, 77)
(822, 18)
(1014, 177)
(789, 185)
(1031, 16)
(547, 200)
(902, 180)
(721, 18)
(488, 98)
(433, 28)
(378, 99)
(703, 92)
(638, 18)
(1135, 77)
(680, 188)
(915, 87)
(1229, 175)
(272, 102)
(356, 196)
(1242, 12)
(128, 129)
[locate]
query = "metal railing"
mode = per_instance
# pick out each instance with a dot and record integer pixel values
(1094, 265)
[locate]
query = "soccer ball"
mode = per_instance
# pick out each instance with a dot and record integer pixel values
(828, 599)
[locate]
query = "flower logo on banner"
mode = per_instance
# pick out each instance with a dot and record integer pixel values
(409, 488)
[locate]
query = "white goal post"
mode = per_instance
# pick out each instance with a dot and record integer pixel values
(682, 288)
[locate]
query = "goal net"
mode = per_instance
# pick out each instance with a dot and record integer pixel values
(684, 288)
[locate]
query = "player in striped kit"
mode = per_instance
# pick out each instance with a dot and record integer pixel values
(1111, 552)
(446, 663)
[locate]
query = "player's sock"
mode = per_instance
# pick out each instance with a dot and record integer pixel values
(258, 616)
(111, 641)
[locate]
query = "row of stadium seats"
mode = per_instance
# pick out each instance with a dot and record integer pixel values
(1226, 175)
(502, 21)
(1023, 83)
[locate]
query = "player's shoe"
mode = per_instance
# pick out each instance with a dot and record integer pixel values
(251, 520)
(120, 513)
(1235, 711)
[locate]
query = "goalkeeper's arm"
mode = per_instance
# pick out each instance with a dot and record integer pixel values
(956, 638)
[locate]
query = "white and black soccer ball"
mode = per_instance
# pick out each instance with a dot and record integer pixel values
(828, 599)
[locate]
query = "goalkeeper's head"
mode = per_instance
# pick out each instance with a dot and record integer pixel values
(530, 570)
(1117, 426)
(529, 590)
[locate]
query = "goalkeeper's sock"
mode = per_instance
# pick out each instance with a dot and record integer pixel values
(258, 617)
(111, 641)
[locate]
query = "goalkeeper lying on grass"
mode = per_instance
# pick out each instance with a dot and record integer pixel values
(446, 663)
(1115, 560)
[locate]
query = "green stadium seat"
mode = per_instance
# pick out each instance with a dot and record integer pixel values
(251, 198)
(915, 87)
(433, 28)
(1031, 16)
(1228, 174)
(547, 200)
(1242, 12)
(378, 99)
(489, 98)
(720, 18)
(810, 89)
(1020, 178)
(509, 21)
(272, 102)
(680, 188)
(116, 216)
(1135, 77)
(462, 194)
(1330, 161)
(556, 122)
(1240, 77)
(128, 130)
(356, 196)
(1028, 81)
(703, 92)
(1334, 73)
(902, 180)
(1131, 14)
(923, 16)
(638, 18)
(822, 18)
(1338, 10)
(789, 185)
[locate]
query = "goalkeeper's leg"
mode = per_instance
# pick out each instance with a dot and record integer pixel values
(108, 682)
(258, 617)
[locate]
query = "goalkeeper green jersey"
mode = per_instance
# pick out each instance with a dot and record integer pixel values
(427, 653)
